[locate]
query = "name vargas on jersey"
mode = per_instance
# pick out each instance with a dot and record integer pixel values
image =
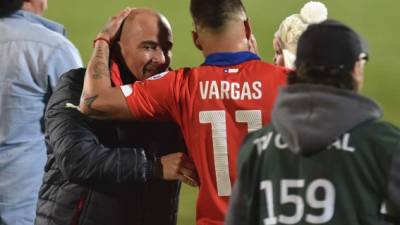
(230, 90)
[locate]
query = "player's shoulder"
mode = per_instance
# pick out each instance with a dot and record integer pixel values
(165, 74)
(170, 72)
(267, 65)
(260, 66)
(159, 76)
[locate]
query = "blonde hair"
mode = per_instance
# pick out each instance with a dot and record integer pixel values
(294, 25)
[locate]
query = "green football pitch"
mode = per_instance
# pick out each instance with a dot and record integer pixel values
(377, 21)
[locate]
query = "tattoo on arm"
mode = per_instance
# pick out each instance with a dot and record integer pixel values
(97, 80)
(100, 70)
(88, 101)
(100, 67)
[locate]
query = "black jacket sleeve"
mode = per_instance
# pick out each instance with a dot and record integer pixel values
(78, 152)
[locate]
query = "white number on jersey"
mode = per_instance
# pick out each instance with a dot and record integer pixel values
(327, 204)
(217, 118)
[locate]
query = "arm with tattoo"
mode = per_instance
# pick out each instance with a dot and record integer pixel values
(99, 99)
(97, 77)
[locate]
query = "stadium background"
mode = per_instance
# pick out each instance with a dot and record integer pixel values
(377, 21)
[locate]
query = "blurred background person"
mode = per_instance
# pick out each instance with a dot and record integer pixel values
(290, 29)
(33, 54)
(113, 172)
(327, 157)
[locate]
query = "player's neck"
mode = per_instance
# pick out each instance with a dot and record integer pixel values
(224, 48)
(225, 45)
(232, 39)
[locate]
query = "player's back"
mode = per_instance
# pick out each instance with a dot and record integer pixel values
(215, 105)
(220, 104)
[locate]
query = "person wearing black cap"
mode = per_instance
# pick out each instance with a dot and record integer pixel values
(327, 157)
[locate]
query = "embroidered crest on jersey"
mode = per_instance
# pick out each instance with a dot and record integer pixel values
(127, 90)
(231, 70)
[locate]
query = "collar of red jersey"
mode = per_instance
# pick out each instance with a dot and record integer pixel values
(229, 58)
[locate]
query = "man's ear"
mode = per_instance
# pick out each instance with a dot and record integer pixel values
(247, 29)
(250, 37)
(358, 74)
(196, 41)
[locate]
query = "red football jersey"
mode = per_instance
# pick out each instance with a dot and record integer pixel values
(215, 105)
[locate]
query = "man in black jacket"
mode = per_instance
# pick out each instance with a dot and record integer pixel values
(108, 172)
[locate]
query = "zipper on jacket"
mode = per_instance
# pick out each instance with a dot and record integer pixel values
(79, 207)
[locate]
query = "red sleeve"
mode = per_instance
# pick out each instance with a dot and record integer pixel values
(152, 99)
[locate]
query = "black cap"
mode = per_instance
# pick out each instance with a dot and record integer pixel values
(330, 44)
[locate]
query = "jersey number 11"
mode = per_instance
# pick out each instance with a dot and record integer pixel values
(217, 118)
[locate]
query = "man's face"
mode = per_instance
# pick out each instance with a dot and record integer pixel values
(146, 43)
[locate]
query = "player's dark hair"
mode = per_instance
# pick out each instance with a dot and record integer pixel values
(8, 7)
(214, 13)
(310, 74)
